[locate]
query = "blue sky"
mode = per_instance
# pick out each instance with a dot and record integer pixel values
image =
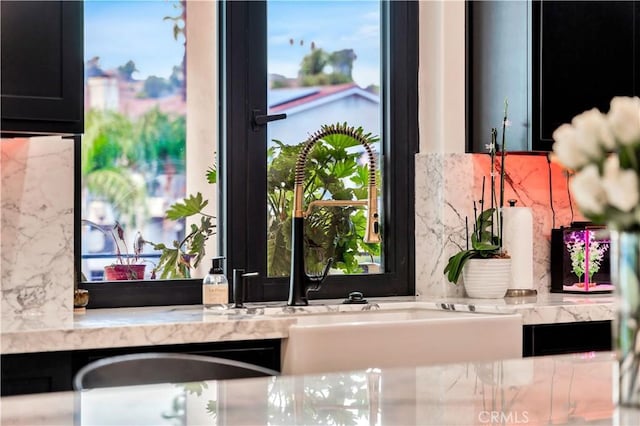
(332, 25)
(117, 31)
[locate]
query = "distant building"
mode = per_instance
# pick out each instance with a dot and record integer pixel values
(308, 108)
(110, 91)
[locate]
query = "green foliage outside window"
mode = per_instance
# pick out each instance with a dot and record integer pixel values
(116, 149)
(333, 172)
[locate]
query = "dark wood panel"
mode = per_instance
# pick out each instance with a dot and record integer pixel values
(585, 57)
(36, 373)
(552, 59)
(126, 294)
(551, 339)
(54, 371)
(42, 67)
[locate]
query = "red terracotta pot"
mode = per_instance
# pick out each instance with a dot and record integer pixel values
(124, 272)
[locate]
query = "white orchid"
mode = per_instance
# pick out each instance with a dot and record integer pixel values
(624, 119)
(593, 133)
(588, 190)
(621, 186)
(604, 149)
(567, 148)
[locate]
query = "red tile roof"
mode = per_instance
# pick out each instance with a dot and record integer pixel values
(322, 92)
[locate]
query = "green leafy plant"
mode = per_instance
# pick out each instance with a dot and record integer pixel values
(177, 259)
(334, 171)
(484, 244)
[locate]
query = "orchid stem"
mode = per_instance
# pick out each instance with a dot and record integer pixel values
(466, 229)
(502, 171)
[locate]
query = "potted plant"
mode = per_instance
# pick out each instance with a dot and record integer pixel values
(127, 266)
(485, 267)
(177, 259)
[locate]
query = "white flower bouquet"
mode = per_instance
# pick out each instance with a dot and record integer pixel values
(604, 151)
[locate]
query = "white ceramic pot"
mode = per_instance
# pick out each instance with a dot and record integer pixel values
(486, 278)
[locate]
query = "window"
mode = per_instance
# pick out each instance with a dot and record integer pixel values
(252, 83)
(385, 104)
(133, 158)
(149, 129)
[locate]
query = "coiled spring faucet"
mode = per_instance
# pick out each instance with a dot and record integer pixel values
(299, 282)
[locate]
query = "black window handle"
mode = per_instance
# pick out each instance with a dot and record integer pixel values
(262, 119)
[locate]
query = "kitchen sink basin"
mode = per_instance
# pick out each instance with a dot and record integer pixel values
(327, 342)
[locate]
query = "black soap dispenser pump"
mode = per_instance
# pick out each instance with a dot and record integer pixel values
(215, 288)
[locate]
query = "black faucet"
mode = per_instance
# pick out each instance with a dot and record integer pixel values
(299, 282)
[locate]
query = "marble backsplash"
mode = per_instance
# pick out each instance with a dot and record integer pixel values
(37, 229)
(37, 220)
(447, 184)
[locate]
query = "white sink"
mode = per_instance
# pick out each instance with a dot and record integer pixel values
(329, 342)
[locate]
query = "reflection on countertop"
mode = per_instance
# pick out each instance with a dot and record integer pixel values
(566, 389)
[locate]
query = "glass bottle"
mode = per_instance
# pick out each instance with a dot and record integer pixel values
(215, 288)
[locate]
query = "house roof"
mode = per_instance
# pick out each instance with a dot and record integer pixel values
(297, 100)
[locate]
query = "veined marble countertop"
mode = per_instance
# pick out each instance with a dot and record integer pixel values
(122, 327)
(550, 308)
(566, 389)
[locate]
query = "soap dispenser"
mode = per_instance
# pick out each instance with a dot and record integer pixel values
(215, 288)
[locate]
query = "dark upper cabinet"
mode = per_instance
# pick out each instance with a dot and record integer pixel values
(498, 64)
(42, 67)
(552, 60)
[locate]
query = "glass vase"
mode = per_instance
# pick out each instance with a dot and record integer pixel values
(625, 275)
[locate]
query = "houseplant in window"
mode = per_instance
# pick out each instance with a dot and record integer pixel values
(181, 256)
(485, 266)
(128, 266)
(604, 152)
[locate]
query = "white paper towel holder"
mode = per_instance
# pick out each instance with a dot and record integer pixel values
(520, 292)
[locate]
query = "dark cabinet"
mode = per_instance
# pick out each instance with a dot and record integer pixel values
(41, 80)
(552, 60)
(54, 371)
(36, 373)
(553, 339)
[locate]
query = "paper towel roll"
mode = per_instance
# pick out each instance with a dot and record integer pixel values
(517, 240)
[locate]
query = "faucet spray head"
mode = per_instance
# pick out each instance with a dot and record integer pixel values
(372, 232)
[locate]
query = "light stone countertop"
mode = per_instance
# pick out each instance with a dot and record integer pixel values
(123, 327)
(564, 389)
(550, 308)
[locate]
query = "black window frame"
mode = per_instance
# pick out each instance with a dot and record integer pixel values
(243, 86)
(240, 227)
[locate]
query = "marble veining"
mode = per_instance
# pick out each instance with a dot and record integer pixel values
(123, 327)
(550, 308)
(447, 184)
(442, 199)
(37, 229)
(562, 389)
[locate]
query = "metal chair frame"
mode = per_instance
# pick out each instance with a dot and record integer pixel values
(158, 367)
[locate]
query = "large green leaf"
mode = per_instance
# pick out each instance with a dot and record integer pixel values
(212, 174)
(191, 205)
(456, 263)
